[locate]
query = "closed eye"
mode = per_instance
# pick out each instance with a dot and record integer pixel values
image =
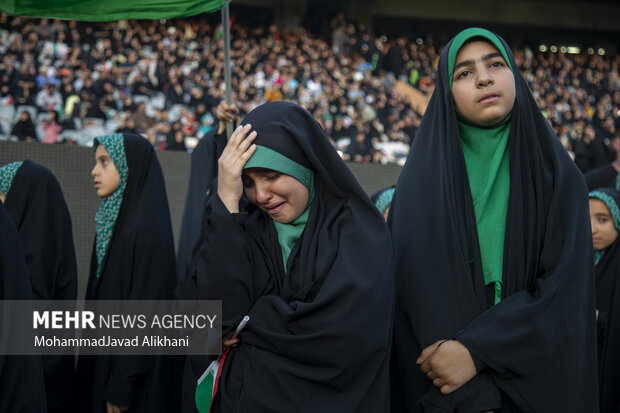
(248, 183)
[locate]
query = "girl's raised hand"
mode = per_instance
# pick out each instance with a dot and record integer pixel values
(230, 165)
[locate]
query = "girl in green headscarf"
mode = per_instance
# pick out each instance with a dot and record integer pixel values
(133, 259)
(306, 260)
(605, 220)
(489, 223)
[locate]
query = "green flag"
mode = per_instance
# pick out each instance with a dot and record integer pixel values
(108, 10)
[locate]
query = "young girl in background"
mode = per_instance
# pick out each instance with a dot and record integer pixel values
(605, 220)
(133, 259)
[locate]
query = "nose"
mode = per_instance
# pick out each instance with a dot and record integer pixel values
(263, 194)
(484, 77)
(594, 227)
(94, 171)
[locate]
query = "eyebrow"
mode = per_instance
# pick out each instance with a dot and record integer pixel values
(471, 62)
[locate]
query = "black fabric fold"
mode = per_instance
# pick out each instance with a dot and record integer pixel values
(202, 173)
(319, 335)
(607, 272)
(539, 341)
(609, 359)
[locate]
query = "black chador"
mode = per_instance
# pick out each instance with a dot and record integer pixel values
(21, 377)
(38, 209)
(203, 172)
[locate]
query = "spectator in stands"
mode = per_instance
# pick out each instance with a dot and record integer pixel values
(606, 176)
(24, 128)
(359, 150)
(51, 128)
(49, 98)
(330, 80)
(141, 119)
(24, 85)
(176, 140)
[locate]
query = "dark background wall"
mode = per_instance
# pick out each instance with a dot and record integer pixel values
(72, 166)
(596, 15)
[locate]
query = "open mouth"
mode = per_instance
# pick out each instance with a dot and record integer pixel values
(274, 209)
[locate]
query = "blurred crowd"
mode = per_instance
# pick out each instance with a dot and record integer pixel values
(68, 81)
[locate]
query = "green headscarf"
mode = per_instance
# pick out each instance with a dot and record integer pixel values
(267, 158)
(485, 150)
(384, 200)
(463, 37)
(615, 214)
(108, 210)
(7, 174)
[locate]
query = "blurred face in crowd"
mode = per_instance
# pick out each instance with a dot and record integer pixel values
(105, 174)
(283, 197)
(483, 86)
(604, 232)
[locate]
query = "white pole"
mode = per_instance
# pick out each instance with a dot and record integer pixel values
(226, 29)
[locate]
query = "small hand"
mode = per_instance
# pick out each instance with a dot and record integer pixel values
(230, 165)
(112, 408)
(225, 113)
(429, 351)
(230, 342)
(448, 364)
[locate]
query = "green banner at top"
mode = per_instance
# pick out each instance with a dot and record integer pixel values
(108, 10)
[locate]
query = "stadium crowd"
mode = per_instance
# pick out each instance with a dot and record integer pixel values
(68, 81)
